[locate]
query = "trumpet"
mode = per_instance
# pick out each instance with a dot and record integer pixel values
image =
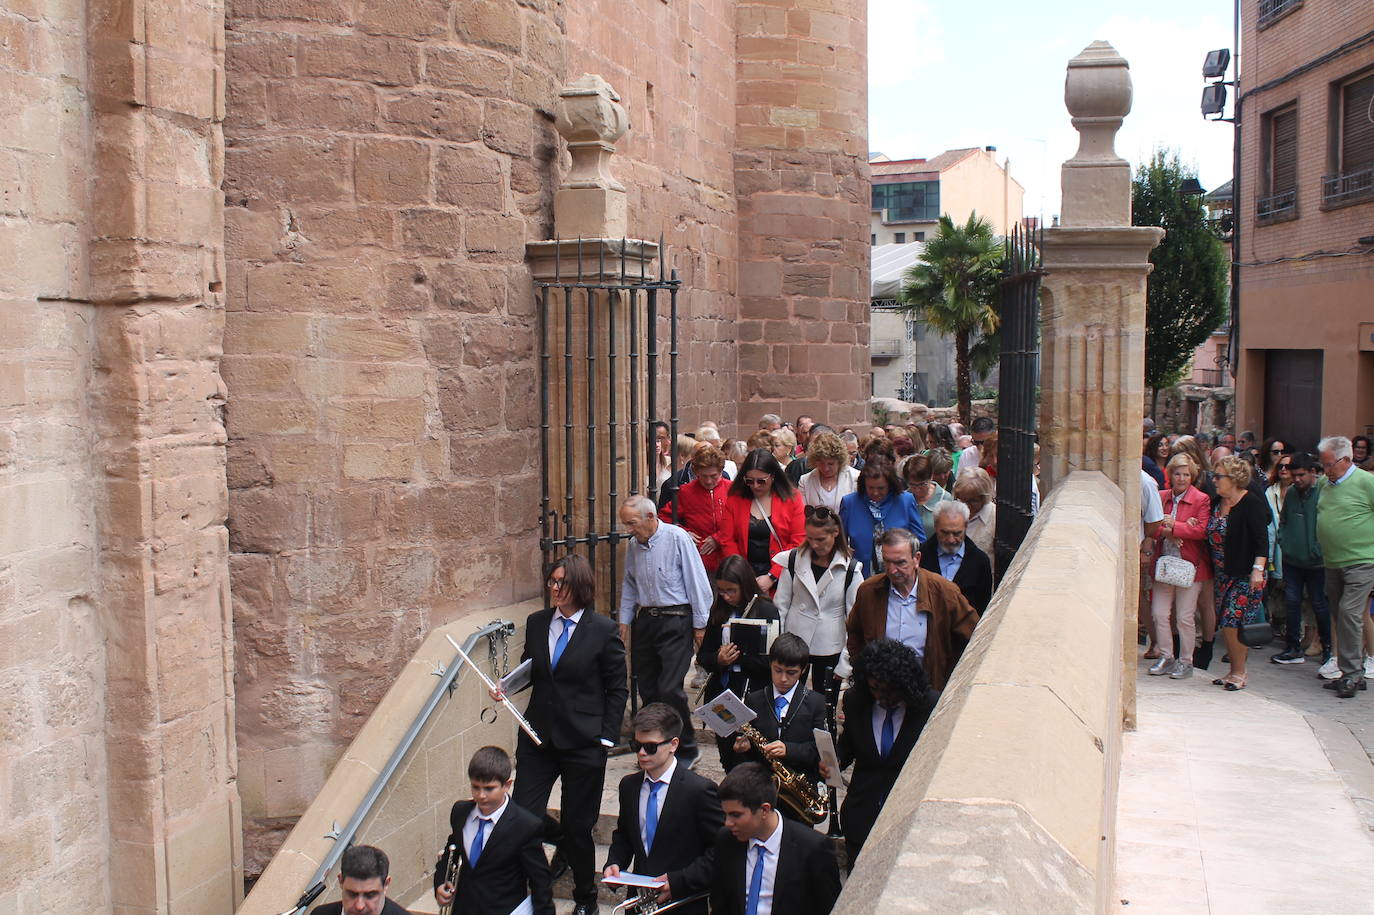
(794, 790)
(450, 875)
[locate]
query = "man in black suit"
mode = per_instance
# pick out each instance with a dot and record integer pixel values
(364, 875)
(884, 713)
(578, 695)
(499, 846)
(669, 815)
(787, 712)
(950, 554)
(766, 864)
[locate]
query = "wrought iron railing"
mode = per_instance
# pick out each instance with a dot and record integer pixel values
(1348, 187)
(496, 630)
(1211, 377)
(1277, 206)
(1271, 10)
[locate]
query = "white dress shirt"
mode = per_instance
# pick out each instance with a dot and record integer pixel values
(666, 778)
(773, 845)
(773, 698)
(470, 826)
(905, 623)
(556, 625)
(880, 715)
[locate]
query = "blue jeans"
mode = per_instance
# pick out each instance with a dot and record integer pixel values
(1295, 579)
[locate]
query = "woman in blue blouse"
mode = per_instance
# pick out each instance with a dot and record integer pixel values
(880, 504)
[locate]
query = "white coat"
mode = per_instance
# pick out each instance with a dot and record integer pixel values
(816, 612)
(846, 481)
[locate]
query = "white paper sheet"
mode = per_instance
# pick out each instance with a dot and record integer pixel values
(628, 879)
(726, 713)
(524, 908)
(517, 679)
(826, 744)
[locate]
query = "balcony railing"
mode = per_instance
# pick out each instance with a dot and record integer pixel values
(1273, 10)
(1348, 188)
(1277, 207)
(1213, 378)
(885, 349)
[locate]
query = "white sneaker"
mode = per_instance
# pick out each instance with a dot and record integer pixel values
(1330, 670)
(1369, 665)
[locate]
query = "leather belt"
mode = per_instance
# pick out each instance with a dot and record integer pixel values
(672, 610)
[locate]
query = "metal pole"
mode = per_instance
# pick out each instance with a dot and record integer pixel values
(672, 367)
(568, 413)
(591, 426)
(545, 544)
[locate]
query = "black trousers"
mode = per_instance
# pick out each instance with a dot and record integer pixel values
(661, 649)
(583, 771)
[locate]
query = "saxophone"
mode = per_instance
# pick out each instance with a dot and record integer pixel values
(794, 790)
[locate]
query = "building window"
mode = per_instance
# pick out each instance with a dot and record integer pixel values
(1279, 178)
(1352, 143)
(920, 236)
(899, 238)
(1271, 11)
(873, 239)
(907, 200)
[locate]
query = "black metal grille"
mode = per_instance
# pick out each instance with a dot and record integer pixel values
(1018, 380)
(608, 313)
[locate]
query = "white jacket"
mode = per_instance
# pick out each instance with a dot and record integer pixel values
(817, 612)
(846, 481)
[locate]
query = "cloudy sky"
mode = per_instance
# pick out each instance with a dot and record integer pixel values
(952, 73)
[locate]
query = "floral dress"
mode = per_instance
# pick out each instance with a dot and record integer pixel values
(1237, 602)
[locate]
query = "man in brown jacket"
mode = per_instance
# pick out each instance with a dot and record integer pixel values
(913, 606)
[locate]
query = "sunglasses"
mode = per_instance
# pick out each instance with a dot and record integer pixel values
(754, 481)
(1280, 451)
(820, 512)
(650, 747)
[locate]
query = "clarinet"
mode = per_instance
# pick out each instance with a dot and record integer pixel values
(832, 701)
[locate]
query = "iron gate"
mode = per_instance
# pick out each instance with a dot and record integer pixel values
(1018, 387)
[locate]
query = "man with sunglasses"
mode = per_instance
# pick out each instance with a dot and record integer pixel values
(669, 815)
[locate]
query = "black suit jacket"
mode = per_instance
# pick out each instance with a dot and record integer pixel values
(805, 713)
(684, 839)
(808, 877)
(873, 776)
(974, 578)
(512, 864)
(583, 700)
(390, 907)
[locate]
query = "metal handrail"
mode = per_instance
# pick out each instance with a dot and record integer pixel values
(345, 837)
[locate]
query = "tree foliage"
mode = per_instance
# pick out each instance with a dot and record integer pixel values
(953, 288)
(1187, 295)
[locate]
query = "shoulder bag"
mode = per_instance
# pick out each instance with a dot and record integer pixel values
(1171, 568)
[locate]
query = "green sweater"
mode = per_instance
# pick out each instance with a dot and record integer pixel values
(1345, 520)
(1298, 528)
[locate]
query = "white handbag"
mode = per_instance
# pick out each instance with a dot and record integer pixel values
(1171, 568)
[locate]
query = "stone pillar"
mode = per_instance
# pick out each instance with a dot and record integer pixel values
(801, 178)
(1092, 377)
(590, 223)
(156, 262)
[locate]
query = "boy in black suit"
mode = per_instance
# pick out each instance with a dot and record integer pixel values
(499, 845)
(669, 815)
(884, 713)
(364, 875)
(766, 864)
(787, 712)
(577, 700)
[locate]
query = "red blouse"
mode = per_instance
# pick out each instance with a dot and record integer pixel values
(787, 515)
(703, 512)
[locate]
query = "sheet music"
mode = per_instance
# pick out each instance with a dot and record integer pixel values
(628, 879)
(826, 744)
(524, 908)
(726, 713)
(517, 679)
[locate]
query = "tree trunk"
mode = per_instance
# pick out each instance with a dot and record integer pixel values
(962, 382)
(1154, 405)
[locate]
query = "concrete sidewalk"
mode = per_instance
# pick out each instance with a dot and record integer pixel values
(1230, 803)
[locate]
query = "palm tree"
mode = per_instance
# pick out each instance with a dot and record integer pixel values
(953, 288)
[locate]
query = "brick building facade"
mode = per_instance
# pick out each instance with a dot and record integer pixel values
(267, 365)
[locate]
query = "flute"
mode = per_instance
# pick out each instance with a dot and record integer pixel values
(519, 718)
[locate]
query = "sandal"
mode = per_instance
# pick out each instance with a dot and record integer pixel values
(1153, 654)
(1234, 684)
(1219, 681)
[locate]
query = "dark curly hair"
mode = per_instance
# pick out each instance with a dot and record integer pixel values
(889, 661)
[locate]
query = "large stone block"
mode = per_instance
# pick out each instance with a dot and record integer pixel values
(442, 115)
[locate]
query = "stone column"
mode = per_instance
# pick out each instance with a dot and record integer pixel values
(590, 246)
(1093, 325)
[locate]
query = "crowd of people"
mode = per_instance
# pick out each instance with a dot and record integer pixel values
(1268, 541)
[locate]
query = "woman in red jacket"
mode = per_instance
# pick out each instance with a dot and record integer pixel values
(701, 504)
(763, 517)
(1184, 534)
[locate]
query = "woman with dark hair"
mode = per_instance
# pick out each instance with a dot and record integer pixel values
(701, 504)
(938, 435)
(819, 582)
(1362, 453)
(880, 504)
(1269, 454)
(918, 474)
(1238, 535)
(1150, 460)
(763, 516)
(884, 713)
(737, 596)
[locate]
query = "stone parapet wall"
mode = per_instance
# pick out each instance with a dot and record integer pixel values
(409, 820)
(1007, 803)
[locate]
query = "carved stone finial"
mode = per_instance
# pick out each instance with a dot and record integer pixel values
(1096, 182)
(590, 203)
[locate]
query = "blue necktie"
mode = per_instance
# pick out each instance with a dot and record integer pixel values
(889, 734)
(562, 641)
(651, 816)
(478, 841)
(751, 904)
(779, 707)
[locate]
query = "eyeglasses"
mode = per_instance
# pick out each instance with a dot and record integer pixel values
(1280, 451)
(556, 583)
(650, 747)
(820, 512)
(755, 481)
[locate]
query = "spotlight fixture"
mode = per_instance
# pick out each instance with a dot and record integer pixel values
(1214, 67)
(1213, 99)
(1191, 187)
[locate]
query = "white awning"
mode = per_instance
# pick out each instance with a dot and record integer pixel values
(889, 262)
